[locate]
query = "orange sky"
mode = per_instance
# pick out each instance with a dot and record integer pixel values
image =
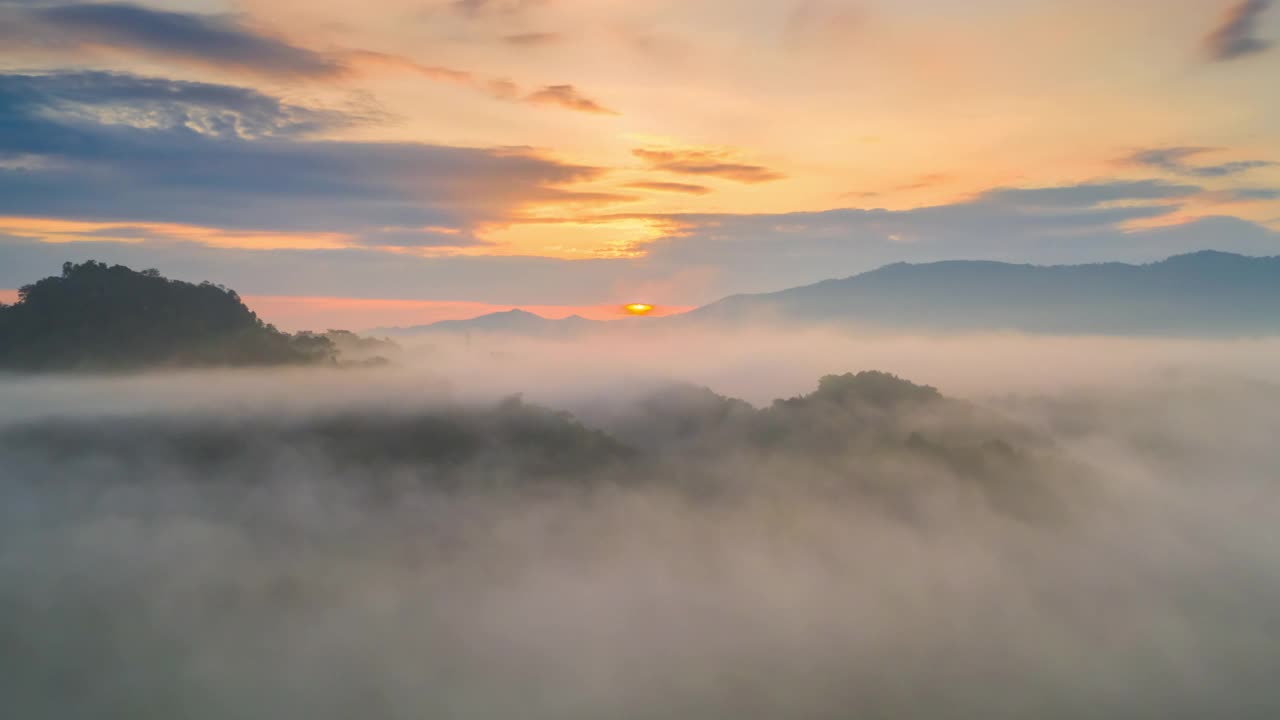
(313, 313)
(318, 313)
(426, 131)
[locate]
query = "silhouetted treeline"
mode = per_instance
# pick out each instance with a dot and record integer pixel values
(99, 317)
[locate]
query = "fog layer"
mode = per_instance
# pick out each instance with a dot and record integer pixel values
(1068, 527)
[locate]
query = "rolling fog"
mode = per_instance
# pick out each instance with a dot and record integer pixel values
(1079, 527)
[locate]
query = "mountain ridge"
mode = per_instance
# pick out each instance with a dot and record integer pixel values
(1201, 292)
(1204, 292)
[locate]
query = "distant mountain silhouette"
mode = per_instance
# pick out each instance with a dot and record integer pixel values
(510, 322)
(95, 317)
(1201, 293)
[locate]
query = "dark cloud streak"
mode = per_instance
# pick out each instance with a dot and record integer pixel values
(224, 42)
(189, 160)
(216, 40)
(1235, 36)
(1175, 160)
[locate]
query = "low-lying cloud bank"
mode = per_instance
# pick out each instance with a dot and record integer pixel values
(1086, 535)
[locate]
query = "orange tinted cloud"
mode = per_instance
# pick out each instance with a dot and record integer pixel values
(371, 61)
(567, 96)
(55, 230)
(532, 39)
(671, 187)
(576, 238)
(717, 163)
(563, 96)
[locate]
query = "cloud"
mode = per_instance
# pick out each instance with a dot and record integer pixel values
(1089, 222)
(567, 96)
(1086, 196)
(123, 147)
(1174, 160)
(671, 187)
(478, 8)
(133, 150)
(1235, 36)
(920, 183)
(715, 163)
(533, 39)
(1244, 195)
(419, 237)
(220, 41)
(369, 60)
(563, 96)
(161, 104)
(822, 25)
(223, 43)
(720, 254)
(744, 254)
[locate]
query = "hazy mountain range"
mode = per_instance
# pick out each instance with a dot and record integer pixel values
(1201, 293)
(517, 322)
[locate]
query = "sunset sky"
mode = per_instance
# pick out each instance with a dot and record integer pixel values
(401, 161)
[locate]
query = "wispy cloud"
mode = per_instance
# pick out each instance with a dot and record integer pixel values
(216, 40)
(1236, 34)
(671, 187)
(822, 24)
(224, 43)
(922, 182)
(1089, 196)
(567, 96)
(478, 8)
(717, 163)
(1176, 160)
(533, 39)
(1244, 195)
(371, 61)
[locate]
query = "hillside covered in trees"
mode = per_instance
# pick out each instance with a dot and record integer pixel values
(99, 317)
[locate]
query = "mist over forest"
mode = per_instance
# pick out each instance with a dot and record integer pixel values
(748, 523)
(609, 360)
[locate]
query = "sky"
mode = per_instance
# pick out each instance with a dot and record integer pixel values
(404, 161)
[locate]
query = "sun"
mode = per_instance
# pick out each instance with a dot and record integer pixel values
(638, 308)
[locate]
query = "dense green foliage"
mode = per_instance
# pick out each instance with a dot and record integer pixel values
(96, 317)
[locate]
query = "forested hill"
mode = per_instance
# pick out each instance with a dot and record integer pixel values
(99, 317)
(1203, 293)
